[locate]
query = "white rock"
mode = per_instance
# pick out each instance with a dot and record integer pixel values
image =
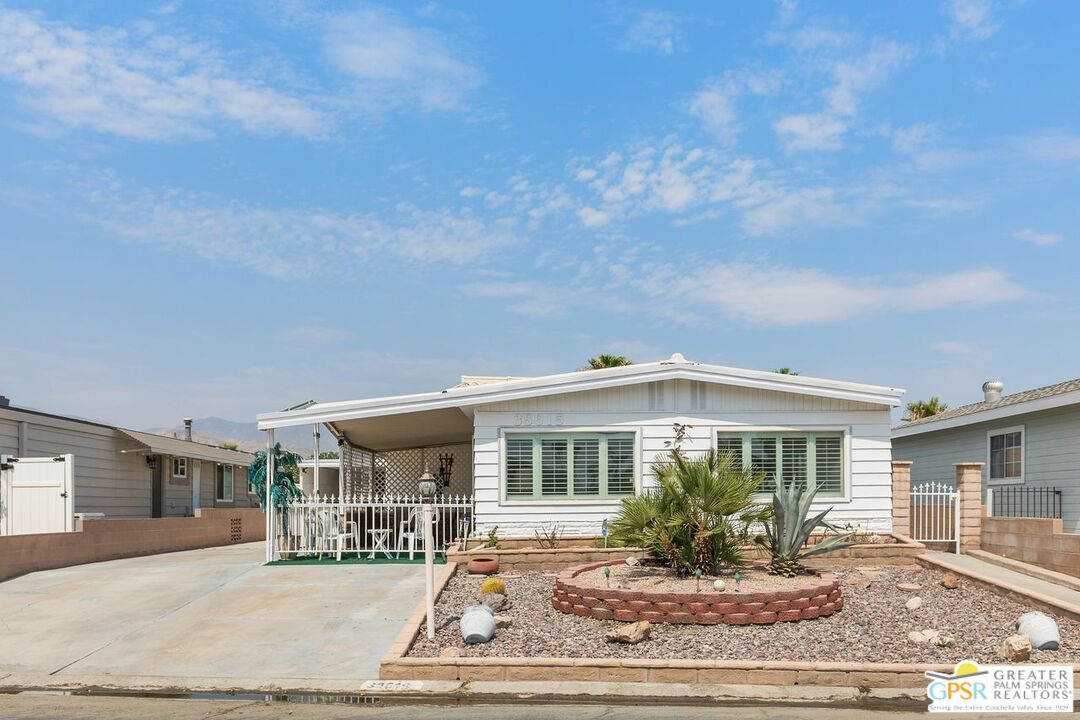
(916, 638)
(914, 603)
(631, 561)
(943, 641)
(719, 585)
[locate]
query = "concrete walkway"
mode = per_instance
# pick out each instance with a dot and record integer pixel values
(216, 613)
(972, 566)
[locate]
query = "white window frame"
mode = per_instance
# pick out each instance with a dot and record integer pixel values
(179, 462)
(1019, 480)
(845, 449)
(232, 483)
(561, 430)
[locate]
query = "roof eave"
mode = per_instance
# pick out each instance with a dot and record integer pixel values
(482, 395)
(990, 414)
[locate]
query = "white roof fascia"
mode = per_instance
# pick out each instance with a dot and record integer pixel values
(980, 416)
(580, 381)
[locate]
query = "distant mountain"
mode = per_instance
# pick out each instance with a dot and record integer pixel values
(246, 435)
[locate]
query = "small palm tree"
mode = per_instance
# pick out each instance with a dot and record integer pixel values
(603, 360)
(699, 517)
(786, 371)
(919, 409)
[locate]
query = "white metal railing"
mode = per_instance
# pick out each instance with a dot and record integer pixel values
(935, 513)
(375, 526)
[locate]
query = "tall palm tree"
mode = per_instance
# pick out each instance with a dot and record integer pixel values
(919, 409)
(603, 360)
(786, 371)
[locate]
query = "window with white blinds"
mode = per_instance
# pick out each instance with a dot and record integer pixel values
(569, 466)
(809, 459)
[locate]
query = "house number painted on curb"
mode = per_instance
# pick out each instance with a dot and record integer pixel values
(537, 419)
(391, 685)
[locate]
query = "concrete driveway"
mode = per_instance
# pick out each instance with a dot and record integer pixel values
(203, 618)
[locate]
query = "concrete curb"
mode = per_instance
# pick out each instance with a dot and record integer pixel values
(1040, 573)
(1039, 600)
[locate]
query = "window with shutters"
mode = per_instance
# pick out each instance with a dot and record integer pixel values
(570, 466)
(809, 459)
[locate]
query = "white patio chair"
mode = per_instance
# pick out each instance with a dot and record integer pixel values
(411, 533)
(330, 531)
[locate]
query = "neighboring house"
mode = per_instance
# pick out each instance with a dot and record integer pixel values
(1027, 440)
(328, 477)
(567, 448)
(126, 473)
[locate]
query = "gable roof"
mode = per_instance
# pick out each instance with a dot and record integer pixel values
(677, 367)
(1043, 398)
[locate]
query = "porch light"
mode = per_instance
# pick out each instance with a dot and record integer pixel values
(427, 487)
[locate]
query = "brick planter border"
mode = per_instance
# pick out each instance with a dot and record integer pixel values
(706, 608)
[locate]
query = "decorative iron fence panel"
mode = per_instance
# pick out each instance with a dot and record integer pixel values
(935, 513)
(388, 525)
(1029, 502)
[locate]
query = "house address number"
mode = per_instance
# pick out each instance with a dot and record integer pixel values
(537, 419)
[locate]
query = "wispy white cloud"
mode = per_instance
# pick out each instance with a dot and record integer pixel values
(652, 31)
(851, 77)
(290, 242)
(971, 19)
(1060, 148)
(1036, 237)
(396, 64)
(714, 107)
(141, 85)
(779, 295)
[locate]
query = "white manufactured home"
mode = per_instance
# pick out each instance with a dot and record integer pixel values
(567, 448)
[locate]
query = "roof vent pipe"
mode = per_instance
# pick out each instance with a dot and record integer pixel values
(992, 390)
(187, 428)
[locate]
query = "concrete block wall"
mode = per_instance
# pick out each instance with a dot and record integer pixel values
(1038, 541)
(97, 540)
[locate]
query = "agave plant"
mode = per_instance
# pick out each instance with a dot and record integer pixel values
(698, 518)
(788, 530)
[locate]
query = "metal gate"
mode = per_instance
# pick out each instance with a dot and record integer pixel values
(935, 513)
(37, 495)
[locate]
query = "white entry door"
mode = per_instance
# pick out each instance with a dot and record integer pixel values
(196, 484)
(37, 495)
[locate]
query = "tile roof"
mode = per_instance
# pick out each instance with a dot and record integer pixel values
(1006, 401)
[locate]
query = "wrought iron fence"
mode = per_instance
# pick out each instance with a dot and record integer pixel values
(383, 525)
(1032, 502)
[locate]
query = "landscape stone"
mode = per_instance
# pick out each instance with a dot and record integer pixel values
(1016, 648)
(503, 621)
(943, 641)
(908, 587)
(950, 581)
(860, 581)
(719, 585)
(495, 601)
(631, 561)
(914, 603)
(916, 637)
(450, 652)
(631, 634)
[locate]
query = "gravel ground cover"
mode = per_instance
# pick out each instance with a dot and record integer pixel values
(872, 627)
(648, 578)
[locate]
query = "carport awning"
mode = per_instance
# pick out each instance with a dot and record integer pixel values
(407, 430)
(186, 448)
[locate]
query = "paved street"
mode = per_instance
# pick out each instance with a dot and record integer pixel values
(215, 613)
(40, 707)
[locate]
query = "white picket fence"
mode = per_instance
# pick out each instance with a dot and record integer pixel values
(375, 526)
(935, 513)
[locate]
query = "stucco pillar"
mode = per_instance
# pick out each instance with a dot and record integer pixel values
(901, 497)
(969, 494)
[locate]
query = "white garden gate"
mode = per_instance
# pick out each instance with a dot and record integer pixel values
(37, 495)
(935, 513)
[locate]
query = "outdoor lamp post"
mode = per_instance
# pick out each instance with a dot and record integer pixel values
(427, 498)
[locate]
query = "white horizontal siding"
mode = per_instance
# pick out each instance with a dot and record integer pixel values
(868, 503)
(1051, 454)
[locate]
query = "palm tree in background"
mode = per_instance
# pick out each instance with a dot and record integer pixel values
(919, 409)
(786, 371)
(603, 360)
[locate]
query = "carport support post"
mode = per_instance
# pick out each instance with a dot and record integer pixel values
(269, 496)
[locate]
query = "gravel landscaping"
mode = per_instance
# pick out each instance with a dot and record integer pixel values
(872, 627)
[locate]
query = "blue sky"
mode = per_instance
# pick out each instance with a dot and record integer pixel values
(223, 209)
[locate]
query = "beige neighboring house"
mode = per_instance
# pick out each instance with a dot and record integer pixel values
(127, 473)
